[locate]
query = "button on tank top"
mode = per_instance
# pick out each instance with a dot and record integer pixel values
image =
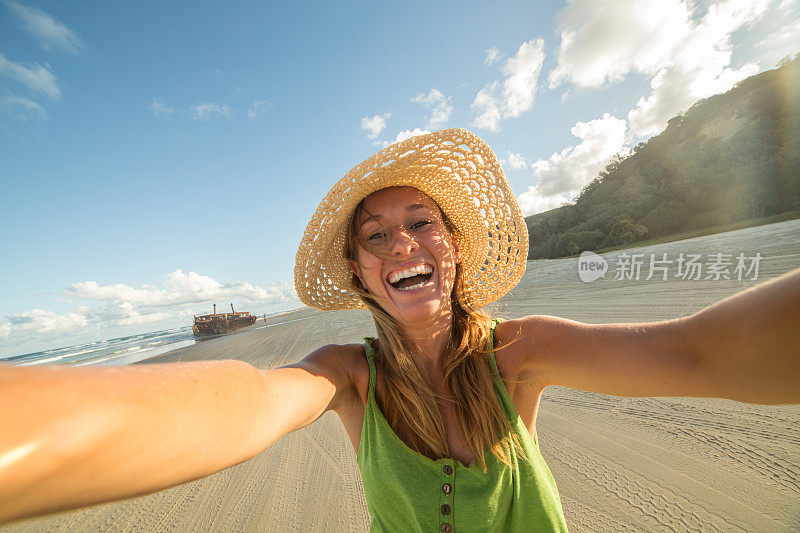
(407, 491)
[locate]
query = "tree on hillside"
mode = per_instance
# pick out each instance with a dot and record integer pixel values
(665, 219)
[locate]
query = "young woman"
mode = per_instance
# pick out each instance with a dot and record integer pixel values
(440, 408)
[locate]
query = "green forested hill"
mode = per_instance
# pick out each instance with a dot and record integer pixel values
(730, 157)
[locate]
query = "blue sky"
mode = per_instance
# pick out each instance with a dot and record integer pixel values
(158, 157)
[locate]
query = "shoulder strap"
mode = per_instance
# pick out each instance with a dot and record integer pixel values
(509, 409)
(371, 360)
(495, 321)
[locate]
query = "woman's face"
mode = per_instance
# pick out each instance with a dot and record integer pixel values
(406, 255)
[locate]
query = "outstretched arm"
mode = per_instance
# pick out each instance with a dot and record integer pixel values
(71, 437)
(745, 347)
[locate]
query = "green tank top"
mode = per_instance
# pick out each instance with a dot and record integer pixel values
(407, 491)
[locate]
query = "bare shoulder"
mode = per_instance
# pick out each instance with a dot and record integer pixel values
(353, 359)
(530, 340)
(538, 331)
(524, 334)
(513, 343)
(344, 365)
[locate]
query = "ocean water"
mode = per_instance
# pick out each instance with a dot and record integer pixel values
(121, 351)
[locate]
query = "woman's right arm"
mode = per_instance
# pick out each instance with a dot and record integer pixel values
(71, 437)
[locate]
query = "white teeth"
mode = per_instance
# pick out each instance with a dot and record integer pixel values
(411, 288)
(396, 276)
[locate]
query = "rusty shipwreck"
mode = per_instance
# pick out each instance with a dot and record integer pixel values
(221, 323)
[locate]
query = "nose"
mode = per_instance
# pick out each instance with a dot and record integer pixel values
(402, 243)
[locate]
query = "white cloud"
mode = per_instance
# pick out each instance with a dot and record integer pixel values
(437, 104)
(492, 55)
(21, 108)
(41, 321)
(52, 33)
(181, 289)
(38, 323)
(159, 108)
(602, 41)
(785, 35)
(522, 75)
(700, 69)
(124, 314)
(36, 77)
(487, 102)
(406, 134)
(374, 125)
(136, 319)
(533, 201)
(515, 161)
(564, 174)
(675, 89)
(258, 108)
(209, 111)
(493, 102)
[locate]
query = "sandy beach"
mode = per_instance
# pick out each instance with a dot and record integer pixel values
(621, 464)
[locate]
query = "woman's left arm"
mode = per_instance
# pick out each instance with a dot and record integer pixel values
(745, 347)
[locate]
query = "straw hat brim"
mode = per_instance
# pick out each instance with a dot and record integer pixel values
(459, 172)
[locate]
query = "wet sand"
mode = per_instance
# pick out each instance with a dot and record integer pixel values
(621, 464)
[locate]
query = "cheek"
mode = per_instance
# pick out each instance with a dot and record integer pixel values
(446, 249)
(365, 258)
(446, 253)
(370, 266)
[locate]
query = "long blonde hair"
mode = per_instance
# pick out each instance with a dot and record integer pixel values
(409, 398)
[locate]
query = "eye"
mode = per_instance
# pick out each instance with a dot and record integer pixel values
(420, 224)
(375, 236)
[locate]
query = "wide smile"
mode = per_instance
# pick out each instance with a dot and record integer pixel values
(411, 278)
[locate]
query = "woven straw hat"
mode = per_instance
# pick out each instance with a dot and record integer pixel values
(461, 173)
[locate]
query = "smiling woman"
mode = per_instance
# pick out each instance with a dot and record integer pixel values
(441, 407)
(431, 389)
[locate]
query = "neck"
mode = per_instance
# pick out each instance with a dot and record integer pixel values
(430, 339)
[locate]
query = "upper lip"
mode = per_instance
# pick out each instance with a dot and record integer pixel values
(397, 274)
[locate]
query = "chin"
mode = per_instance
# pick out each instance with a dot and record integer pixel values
(427, 310)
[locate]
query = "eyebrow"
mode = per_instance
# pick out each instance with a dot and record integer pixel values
(412, 207)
